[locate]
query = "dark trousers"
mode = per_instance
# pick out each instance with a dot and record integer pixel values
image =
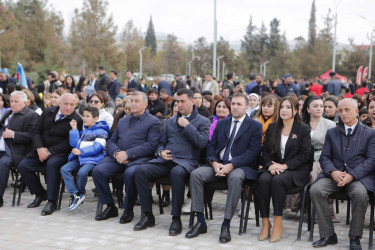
(101, 175)
(148, 172)
(357, 192)
(5, 163)
(275, 186)
(29, 165)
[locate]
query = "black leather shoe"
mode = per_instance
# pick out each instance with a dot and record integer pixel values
(109, 212)
(49, 208)
(355, 244)
(38, 199)
(126, 217)
(165, 200)
(1, 201)
(198, 229)
(145, 222)
(326, 241)
(175, 228)
(225, 235)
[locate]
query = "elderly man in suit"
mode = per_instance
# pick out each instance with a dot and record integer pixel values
(16, 127)
(133, 142)
(178, 154)
(348, 164)
(51, 150)
(232, 153)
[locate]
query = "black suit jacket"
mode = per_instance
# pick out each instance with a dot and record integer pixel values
(54, 135)
(297, 154)
(134, 85)
(22, 124)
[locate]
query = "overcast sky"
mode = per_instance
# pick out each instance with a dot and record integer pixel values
(191, 19)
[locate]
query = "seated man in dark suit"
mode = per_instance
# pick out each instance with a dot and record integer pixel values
(348, 164)
(232, 153)
(133, 142)
(51, 149)
(16, 125)
(183, 138)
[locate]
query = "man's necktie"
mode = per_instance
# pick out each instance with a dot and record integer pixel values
(349, 132)
(229, 145)
(61, 116)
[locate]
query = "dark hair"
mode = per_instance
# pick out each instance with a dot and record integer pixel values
(371, 100)
(358, 98)
(58, 91)
(227, 87)
(252, 76)
(100, 68)
(187, 92)
(364, 84)
(103, 94)
(230, 75)
(306, 104)
(11, 87)
(131, 71)
(114, 72)
(6, 100)
(152, 91)
(63, 86)
(332, 99)
(131, 90)
(170, 113)
(73, 82)
(40, 88)
(228, 103)
(211, 101)
(93, 110)
(273, 145)
(80, 83)
(242, 96)
(164, 90)
(269, 99)
(100, 96)
(78, 93)
(52, 75)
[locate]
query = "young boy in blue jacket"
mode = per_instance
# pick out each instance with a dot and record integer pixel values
(88, 149)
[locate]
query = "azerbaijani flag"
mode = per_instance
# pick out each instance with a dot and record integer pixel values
(21, 76)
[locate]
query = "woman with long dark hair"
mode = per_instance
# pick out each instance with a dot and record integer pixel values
(286, 153)
(70, 83)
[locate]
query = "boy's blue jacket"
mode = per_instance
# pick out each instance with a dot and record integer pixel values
(91, 142)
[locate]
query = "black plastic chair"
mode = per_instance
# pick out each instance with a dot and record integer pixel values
(158, 183)
(340, 195)
(209, 191)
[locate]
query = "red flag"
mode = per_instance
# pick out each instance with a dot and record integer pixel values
(359, 75)
(365, 73)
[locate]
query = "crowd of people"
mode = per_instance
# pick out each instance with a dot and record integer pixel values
(279, 134)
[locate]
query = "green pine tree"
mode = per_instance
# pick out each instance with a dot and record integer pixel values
(150, 37)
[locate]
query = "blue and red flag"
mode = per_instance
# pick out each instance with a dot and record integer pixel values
(21, 76)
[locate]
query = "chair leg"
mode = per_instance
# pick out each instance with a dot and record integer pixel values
(337, 206)
(206, 210)
(257, 213)
(301, 214)
(312, 225)
(247, 210)
(15, 190)
(242, 208)
(158, 191)
(19, 194)
(61, 194)
(191, 219)
(308, 201)
(348, 213)
(371, 229)
(210, 207)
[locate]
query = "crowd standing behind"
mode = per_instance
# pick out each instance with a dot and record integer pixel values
(277, 133)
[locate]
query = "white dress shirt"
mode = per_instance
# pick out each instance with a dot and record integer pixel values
(230, 132)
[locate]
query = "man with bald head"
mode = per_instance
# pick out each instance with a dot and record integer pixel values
(348, 164)
(50, 149)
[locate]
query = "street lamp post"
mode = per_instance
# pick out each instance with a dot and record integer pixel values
(371, 44)
(265, 68)
(223, 70)
(215, 38)
(140, 61)
(218, 67)
(190, 67)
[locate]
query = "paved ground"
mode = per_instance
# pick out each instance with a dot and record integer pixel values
(23, 228)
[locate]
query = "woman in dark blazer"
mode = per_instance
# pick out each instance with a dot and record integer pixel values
(286, 154)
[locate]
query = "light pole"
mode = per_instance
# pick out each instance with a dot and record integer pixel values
(223, 70)
(215, 38)
(140, 61)
(265, 68)
(334, 45)
(371, 44)
(1, 31)
(190, 67)
(218, 67)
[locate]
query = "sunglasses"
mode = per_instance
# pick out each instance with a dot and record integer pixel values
(94, 101)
